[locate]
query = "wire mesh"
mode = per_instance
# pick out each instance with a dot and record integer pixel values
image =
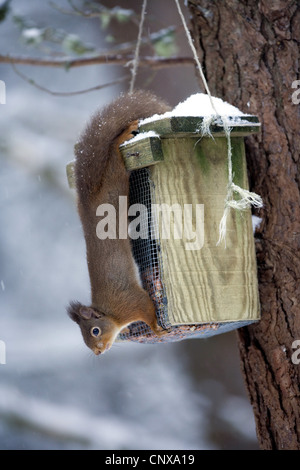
(146, 249)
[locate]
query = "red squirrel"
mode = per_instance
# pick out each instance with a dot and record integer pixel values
(100, 178)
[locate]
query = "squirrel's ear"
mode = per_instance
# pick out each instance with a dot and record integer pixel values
(78, 312)
(88, 312)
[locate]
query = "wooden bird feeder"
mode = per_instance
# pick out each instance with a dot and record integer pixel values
(199, 289)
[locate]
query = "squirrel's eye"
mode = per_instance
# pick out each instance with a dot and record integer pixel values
(95, 331)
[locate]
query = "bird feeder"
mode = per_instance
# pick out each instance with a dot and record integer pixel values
(180, 178)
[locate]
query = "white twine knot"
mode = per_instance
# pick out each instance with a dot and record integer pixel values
(247, 198)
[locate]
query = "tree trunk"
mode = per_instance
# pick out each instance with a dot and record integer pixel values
(250, 55)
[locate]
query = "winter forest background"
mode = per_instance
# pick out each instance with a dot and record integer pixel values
(54, 394)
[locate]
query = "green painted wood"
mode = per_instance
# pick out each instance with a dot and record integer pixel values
(148, 151)
(186, 126)
(209, 283)
(145, 152)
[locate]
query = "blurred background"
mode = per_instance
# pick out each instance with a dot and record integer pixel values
(54, 393)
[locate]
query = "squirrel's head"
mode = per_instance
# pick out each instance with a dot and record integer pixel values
(99, 331)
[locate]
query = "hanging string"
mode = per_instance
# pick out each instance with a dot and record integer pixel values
(247, 198)
(135, 61)
(190, 41)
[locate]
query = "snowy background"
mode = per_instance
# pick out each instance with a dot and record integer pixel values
(54, 393)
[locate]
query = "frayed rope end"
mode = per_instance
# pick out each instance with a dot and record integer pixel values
(247, 200)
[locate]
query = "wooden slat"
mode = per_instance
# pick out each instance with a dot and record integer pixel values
(144, 152)
(70, 174)
(183, 126)
(140, 154)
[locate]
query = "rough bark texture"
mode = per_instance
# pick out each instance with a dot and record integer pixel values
(250, 54)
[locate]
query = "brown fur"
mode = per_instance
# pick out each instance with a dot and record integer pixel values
(101, 177)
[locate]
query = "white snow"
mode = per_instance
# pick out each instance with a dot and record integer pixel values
(31, 33)
(199, 105)
(140, 136)
(256, 221)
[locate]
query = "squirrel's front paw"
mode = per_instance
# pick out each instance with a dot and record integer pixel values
(159, 331)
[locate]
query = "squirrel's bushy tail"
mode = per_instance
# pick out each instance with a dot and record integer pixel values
(94, 146)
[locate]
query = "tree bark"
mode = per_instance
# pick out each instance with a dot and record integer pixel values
(250, 55)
